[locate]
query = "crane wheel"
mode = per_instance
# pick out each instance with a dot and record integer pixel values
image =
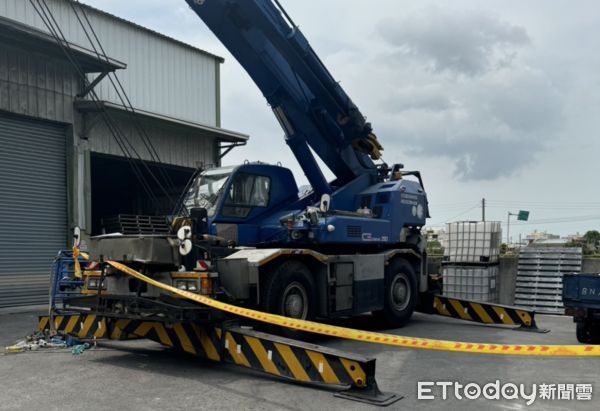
(290, 291)
(401, 293)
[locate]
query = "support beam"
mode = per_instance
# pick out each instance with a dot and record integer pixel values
(228, 147)
(93, 84)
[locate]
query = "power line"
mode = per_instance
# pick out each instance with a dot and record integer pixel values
(125, 101)
(550, 207)
(45, 14)
(448, 210)
(541, 221)
(543, 203)
(477, 205)
(558, 220)
(459, 203)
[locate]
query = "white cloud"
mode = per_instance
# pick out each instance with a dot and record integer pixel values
(462, 41)
(469, 98)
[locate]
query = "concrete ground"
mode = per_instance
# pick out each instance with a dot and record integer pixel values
(141, 375)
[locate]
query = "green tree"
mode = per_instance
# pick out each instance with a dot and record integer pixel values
(591, 240)
(592, 237)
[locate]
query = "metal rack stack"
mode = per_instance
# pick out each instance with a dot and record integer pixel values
(539, 276)
(470, 262)
(135, 224)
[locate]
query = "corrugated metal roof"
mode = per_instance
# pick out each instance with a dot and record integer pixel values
(164, 36)
(162, 76)
(16, 33)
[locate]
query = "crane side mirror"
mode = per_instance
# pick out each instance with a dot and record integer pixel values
(325, 203)
(76, 236)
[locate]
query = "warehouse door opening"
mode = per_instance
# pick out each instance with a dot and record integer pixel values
(117, 191)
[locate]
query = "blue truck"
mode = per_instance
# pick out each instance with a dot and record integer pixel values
(581, 298)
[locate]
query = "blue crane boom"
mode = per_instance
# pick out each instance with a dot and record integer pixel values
(351, 246)
(366, 204)
(312, 108)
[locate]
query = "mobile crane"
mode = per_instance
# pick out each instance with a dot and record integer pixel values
(245, 236)
(351, 245)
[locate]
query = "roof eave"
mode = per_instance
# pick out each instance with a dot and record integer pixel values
(17, 33)
(220, 134)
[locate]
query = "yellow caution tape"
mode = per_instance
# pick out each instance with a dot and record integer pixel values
(76, 254)
(374, 337)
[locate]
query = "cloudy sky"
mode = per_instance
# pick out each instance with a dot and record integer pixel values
(497, 99)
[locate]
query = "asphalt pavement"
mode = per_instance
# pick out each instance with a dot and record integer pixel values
(142, 375)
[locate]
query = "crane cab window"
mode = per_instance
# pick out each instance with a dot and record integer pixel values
(246, 192)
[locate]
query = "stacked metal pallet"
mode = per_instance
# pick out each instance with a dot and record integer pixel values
(539, 276)
(470, 263)
(135, 224)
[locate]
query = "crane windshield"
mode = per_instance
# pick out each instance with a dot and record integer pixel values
(205, 190)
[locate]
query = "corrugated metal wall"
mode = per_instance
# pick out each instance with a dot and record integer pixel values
(33, 207)
(36, 86)
(161, 76)
(41, 87)
(176, 145)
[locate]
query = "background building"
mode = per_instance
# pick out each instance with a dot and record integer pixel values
(60, 163)
(536, 236)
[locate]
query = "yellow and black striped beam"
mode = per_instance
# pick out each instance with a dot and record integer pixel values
(82, 326)
(302, 362)
(187, 337)
(295, 360)
(281, 357)
(481, 312)
(274, 355)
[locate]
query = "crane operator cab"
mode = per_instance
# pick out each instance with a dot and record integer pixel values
(257, 204)
(238, 199)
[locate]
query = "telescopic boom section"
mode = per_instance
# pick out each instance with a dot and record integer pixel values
(311, 107)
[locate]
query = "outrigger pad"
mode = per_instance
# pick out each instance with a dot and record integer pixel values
(533, 329)
(371, 395)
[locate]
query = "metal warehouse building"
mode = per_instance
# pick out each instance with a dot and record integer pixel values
(60, 165)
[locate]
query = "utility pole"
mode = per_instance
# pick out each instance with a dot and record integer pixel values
(522, 215)
(508, 227)
(520, 241)
(483, 209)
